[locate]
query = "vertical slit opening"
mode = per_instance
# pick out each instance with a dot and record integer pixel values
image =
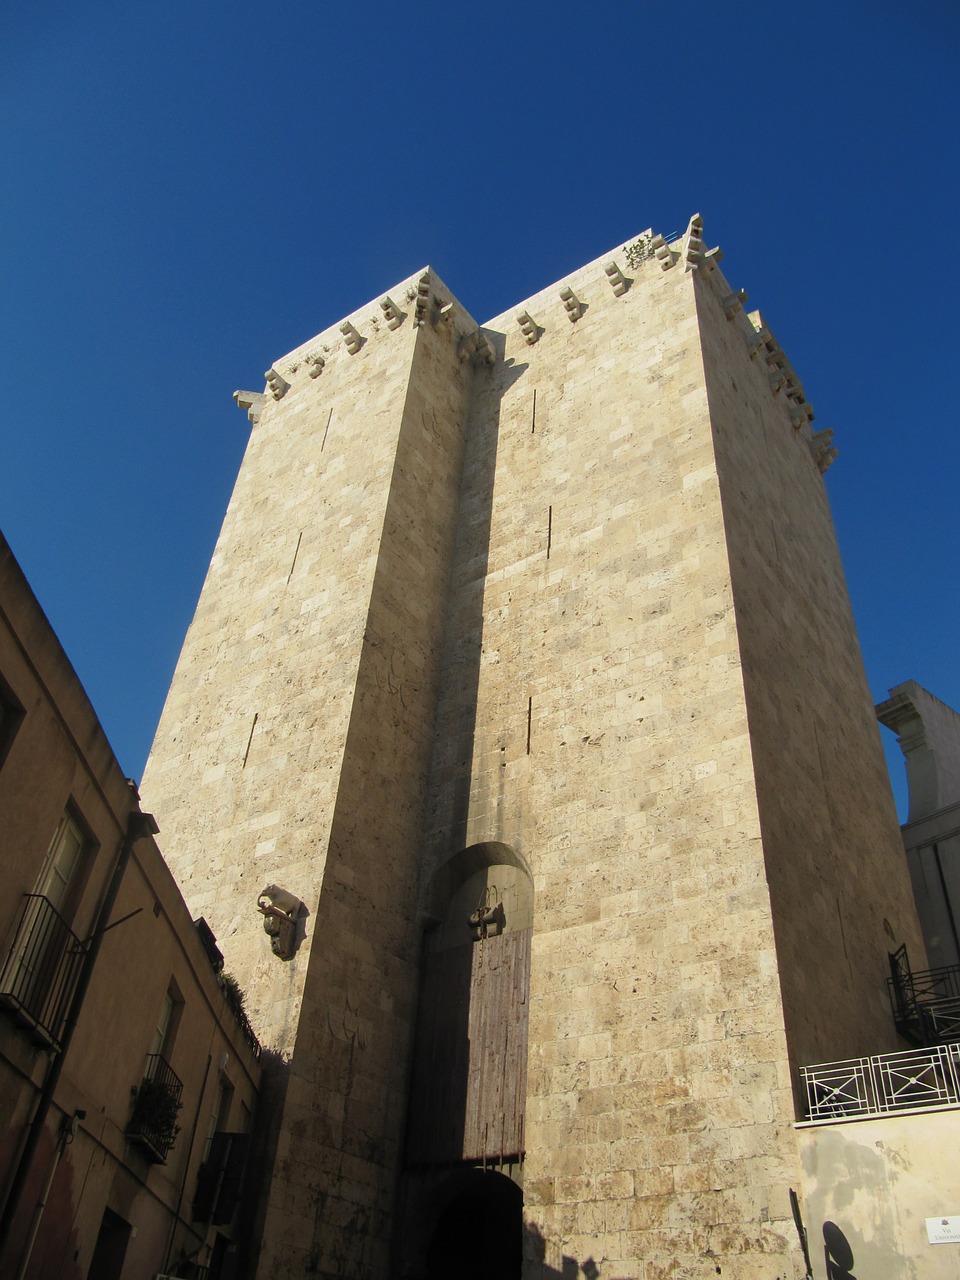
(256, 717)
(293, 563)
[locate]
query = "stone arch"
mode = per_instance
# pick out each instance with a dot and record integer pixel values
(464, 864)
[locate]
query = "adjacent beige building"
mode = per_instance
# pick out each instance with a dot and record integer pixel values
(147, 1087)
(521, 757)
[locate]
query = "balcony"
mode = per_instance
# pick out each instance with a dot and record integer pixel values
(883, 1085)
(41, 971)
(156, 1104)
(926, 1004)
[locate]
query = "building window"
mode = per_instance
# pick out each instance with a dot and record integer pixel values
(42, 967)
(221, 1113)
(61, 876)
(156, 1099)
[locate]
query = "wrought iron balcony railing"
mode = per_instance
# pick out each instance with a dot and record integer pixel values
(156, 1105)
(41, 970)
(883, 1084)
(926, 1004)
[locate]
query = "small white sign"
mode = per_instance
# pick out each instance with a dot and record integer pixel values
(944, 1230)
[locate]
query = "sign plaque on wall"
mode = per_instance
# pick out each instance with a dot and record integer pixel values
(944, 1230)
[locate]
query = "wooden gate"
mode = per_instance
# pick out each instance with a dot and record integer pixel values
(470, 1058)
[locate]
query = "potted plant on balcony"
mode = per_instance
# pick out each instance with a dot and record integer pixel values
(153, 1123)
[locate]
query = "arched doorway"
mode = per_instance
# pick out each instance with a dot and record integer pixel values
(479, 1231)
(468, 1081)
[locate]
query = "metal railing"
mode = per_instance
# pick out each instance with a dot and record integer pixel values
(883, 1084)
(41, 970)
(156, 1105)
(925, 1003)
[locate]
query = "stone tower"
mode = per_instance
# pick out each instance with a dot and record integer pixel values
(524, 696)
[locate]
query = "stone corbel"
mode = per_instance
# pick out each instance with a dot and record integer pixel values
(571, 304)
(618, 281)
(712, 257)
(733, 303)
(467, 345)
(477, 348)
(252, 401)
(424, 302)
(764, 343)
(693, 244)
(821, 447)
(486, 352)
(278, 385)
(316, 366)
(754, 342)
(281, 911)
(663, 253)
(529, 327)
(797, 416)
(395, 317)
(352, 338)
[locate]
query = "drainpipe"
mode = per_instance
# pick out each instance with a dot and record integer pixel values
(139, 826)
(186, 1165)
(68, 1131)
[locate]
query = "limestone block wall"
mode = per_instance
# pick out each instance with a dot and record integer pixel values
(840, 892)
(304, 708)
(593, 718)
(245, 768)
(332, 1196)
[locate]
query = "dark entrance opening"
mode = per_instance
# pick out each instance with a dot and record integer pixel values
(111, 1247)
(480, 1231)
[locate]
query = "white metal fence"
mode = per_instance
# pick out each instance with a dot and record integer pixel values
(883, 1084)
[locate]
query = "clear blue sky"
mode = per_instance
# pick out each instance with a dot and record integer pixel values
(192, 189)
